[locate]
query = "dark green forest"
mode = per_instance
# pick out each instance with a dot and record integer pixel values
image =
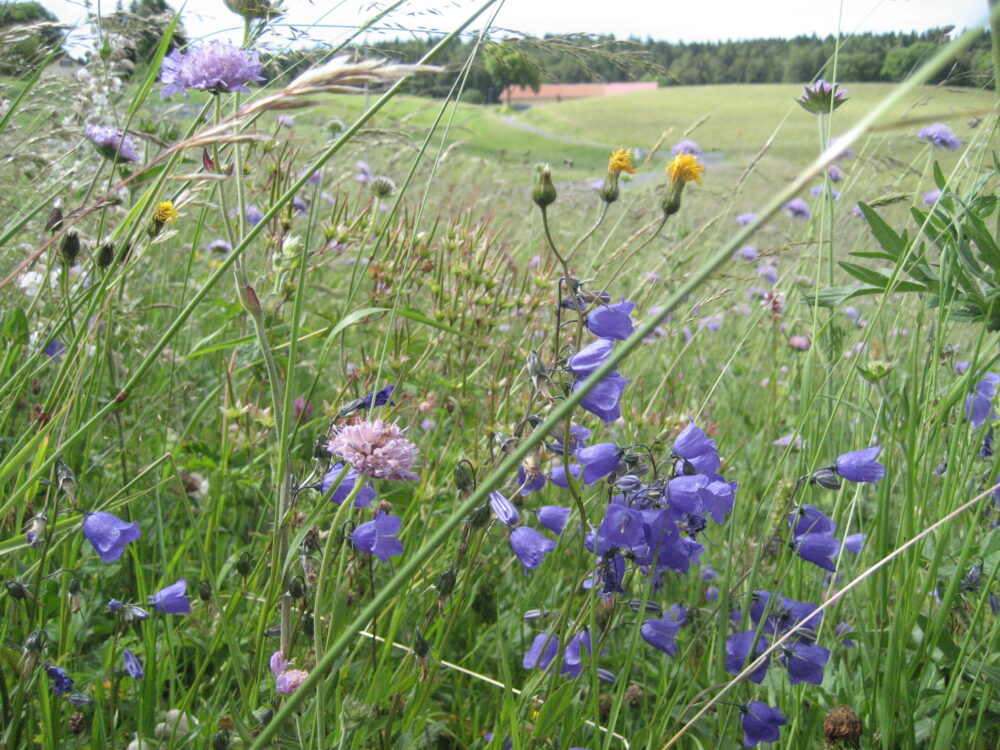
(578, 59)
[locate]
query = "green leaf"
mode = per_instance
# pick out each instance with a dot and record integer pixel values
(892, 243)
(939, 178)
(880, 279)
(989, 251)
(15, 326)
(835, 296)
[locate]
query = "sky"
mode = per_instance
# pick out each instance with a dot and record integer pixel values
(668, 20)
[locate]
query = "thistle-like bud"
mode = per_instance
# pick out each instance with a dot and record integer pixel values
(106, 254)
(609, 191)
(255, 9)
(465, 477)
(383, 187)
(445, 583)
(16, 589)
(70, 247)
(421, 647)
(244, 566)
(544, 194)
(205, 591)
(297, 588)
(843, 725)
(54, 221)
(479, 516)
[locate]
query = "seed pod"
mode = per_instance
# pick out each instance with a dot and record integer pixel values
(843, 725)
(70, 247)
(106, 254)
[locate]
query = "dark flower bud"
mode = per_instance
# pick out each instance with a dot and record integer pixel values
(106, 254)
(421, 647)
(535, 367)
(383, 187)
(77, 723)
(633, 695)
(297, 588)
(70, 247)
(843, 725)
(54, 221)
(36, 640)
(244, 566)
(445, 583)
(79, 699)
(263, 715)
(132, 612)
(309, 624)
(205, 591)
(65, 478)
(825, 478)
(544, 194)
(479, 516)
(609, 191)
(465, 477)
(75, 586)
(221, 740)
(16, 589)
(534, 614)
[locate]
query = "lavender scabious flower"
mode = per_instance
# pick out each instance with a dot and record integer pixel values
(172, 600)
(686, 146)
(219, 246)
(530, 546)
(861, 466)
(940, 136)
(109, 534)
(217, 67)
(376, 449)
(254, 215)
(745, 218)
(378, 537)
(365, 495)
(821, 98)
(760, 723)
(931, 197)
(132, 666)
(747, 252)
(797, 209)
(61, 682)
(112, 144)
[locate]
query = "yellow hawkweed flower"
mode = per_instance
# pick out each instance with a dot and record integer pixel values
(621, 161)
(165, 213)
(684, 168)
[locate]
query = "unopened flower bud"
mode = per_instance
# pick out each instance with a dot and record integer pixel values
(445, 583)
(465, 478)
(421, 647)
(205, 591)
(244, 566)
(70, 247)
(36, 530)
(297, 588)
(544, 194)
(221, 740)
(54, 221)
(106, 254)
(825, 478)
(479, 516)
(383, 187)
(254, 9)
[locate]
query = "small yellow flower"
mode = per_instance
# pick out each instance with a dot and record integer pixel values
(684, 168)
(165, 213)
(621, 161)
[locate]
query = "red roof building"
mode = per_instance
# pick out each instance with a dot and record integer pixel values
(558, 92)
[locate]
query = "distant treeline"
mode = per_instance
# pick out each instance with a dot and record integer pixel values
(579, 59)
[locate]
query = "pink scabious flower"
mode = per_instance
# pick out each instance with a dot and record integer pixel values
(799, 342)
(286, 680)
(375, 449)
(216, 66)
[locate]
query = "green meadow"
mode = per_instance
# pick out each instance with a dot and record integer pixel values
(362, 430)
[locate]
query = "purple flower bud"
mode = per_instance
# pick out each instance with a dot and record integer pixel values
(109, 534)
(172, 600)
(61, 682)
(503, 509)
(115, 606)
(378, 537)
(132, 665)
(693, 442)
(819, 549)
(807, 519)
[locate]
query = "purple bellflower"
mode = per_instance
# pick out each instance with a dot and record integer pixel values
(530, 546)
(132, 665)
(172, 600)
(61, 682)
(216, 66)
(591, 356)
(603, 399)
(819, 549)
(378, 537)
(504, 509)
(738, 647)
(661, 633)
(553, 518)
(861, 466)
(979, 406)
(611, 321)
(598, 461)
(572, 659)
(541, 652)
(109, 534)
(804, 661)
(365, 495)
(760, 723)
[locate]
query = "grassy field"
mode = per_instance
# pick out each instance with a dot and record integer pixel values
(214, 397)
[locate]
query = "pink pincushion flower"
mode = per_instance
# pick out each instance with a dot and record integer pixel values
(287, 681)
(375, 449)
